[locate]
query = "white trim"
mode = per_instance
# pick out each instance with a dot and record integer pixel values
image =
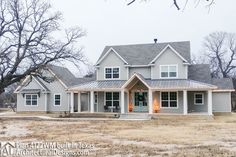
(104, 56)
(91, 101)
(168, 46)
(185, 102)
(111, 67)
(72, 102)
(55, 99)
(122, 103)
(79, 102)
(223, 90)
(131, 78)
(177, 96)
(46, 101)
(168, 65)
(195, 99)
(209, 104)
(150, 101)
(31, 99)
(26, 78)
(39, 83)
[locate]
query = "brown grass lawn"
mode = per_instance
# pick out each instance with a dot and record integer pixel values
(167, 136)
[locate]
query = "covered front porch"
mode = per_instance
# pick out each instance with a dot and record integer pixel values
(138, 95)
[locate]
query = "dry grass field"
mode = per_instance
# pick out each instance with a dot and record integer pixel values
(168, 136)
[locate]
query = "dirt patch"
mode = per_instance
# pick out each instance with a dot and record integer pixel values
(161, 137)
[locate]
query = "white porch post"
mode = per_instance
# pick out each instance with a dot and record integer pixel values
(209, 104)
(185, 102)
(72, 102)
(122, 99)
(46, 102)
(79, 102)
(150, 103)
(92, 101)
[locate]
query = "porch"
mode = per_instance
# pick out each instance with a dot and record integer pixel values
(140, 95)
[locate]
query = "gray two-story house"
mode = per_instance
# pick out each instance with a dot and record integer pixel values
(151, 78)
(143, 78)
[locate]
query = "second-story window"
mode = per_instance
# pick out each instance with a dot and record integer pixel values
(168, 71)
(112, 73)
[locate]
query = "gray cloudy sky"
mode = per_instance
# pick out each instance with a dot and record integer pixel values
(112, 22)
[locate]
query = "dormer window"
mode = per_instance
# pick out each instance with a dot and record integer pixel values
(112, 73)
(168, 71)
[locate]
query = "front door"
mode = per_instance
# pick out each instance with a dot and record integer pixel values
(140, 102)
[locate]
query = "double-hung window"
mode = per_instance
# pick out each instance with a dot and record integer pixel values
(169, 100)
(168, 71)
(198, 98)
(31, 99)
(57, 99)
(112, 73)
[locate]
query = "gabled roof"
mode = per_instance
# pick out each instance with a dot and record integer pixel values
(147, 52)
(202, 73)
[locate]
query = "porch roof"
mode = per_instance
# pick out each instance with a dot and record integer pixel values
(116, 85)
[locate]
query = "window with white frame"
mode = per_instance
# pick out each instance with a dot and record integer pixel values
(168, 71)
(169, 100)
(57, 99)
(112, 73)
(31, 99)
(198, 98)
(112, 99)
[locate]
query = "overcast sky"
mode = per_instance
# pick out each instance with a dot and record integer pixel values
(112, 22)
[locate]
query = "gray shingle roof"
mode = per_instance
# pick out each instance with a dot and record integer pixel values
(143, 54)
(223, 83)
(67, 77)
(202, 73)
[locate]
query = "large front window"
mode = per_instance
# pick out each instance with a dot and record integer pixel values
(112, 73)
(31, 99)
(169, 100)
(168, 71)
(112, 103)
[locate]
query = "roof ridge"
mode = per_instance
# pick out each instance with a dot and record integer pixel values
(149, 43)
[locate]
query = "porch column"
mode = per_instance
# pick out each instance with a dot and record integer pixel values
(185, 102)
(150, 103)
(46, 102)
(92, 101)
(122, 99)
(72, 102)
(79, 102)
(209, 104)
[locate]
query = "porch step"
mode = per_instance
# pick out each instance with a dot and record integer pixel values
(138, 116)
(94, 115)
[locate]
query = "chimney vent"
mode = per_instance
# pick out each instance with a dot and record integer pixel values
(155, 40)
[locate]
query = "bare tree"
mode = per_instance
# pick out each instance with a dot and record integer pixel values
(27, 44)
(220, 48)
(176, 4)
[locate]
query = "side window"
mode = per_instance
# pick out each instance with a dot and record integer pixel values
(198, 98)
(57, 99)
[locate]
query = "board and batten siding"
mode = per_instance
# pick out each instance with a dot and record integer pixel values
(112, 60)
(169, 58)
(144, 71)
(221, 101)
(56, 87)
